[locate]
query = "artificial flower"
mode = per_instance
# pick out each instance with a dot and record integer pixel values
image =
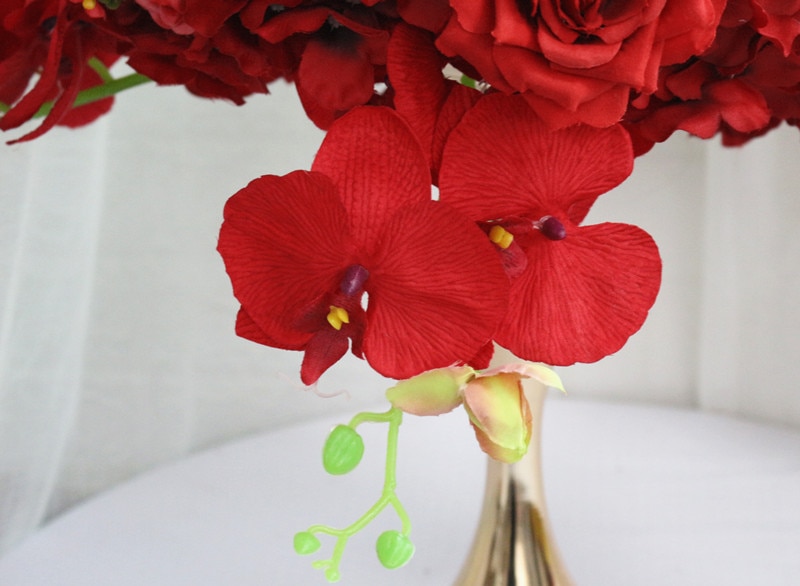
(577, 292)
(302, 251)
(431, 104)
(54, 40)
(214, 57)
(741, 87)
(494, 400)
(578, 61)
(348, 38)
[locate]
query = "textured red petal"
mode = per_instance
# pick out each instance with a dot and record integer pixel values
(460, 99)
(415, 72)
(351, 86)
(249, 330)
(582, 297)
(483, 358)
(324, 349)
(436, 292)
(32, 101)
(524, 169)
(377, 165)
(285, 245)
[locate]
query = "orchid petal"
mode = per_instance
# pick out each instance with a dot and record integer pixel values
(285, 245)
(582, 297)
(415, 72)
(534, 171)
(377, 165)
(436, 292)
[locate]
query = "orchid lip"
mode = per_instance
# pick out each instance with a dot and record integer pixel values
(353, 281)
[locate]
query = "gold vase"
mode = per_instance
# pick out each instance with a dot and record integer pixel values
(513, 545)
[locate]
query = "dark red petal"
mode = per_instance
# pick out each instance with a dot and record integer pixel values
(207, 17)
(324, 349)
(460, 99)
(351, 86)
(48, 79)
(377, 165)
(436, 292)
(285, 245)
(582, 297)
(483, 358)
(82, 115)
(431, 15)
(523, 168)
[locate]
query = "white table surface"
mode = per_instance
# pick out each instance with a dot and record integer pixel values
(638, 496)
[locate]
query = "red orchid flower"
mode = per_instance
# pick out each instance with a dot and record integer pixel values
(577, 292)
(302, 250)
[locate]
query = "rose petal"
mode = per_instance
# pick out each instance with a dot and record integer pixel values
(353, 84)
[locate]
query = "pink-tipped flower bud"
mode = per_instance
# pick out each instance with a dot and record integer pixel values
(499, 414)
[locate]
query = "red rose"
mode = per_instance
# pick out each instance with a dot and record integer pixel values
(578, 61)
(187, 17)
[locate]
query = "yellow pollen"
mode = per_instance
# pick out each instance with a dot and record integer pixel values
(500, 236)
(338, 316)
(89, 4)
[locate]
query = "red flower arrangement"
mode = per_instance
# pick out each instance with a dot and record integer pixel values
(522, 113)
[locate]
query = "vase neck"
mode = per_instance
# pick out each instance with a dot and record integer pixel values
(513, 545)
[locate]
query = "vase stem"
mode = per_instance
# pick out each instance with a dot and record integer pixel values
(513, 545)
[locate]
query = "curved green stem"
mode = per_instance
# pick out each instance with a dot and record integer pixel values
(100, 92)
(394, 417)
(108, 88)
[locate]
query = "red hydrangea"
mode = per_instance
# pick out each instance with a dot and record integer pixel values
(577, 292)
(305, 249)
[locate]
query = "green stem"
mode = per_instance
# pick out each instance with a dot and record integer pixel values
(108, 88)
(394, 417)
(99, 92)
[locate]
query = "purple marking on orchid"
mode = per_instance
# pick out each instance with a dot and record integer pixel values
(552, 228)
(353, 281)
